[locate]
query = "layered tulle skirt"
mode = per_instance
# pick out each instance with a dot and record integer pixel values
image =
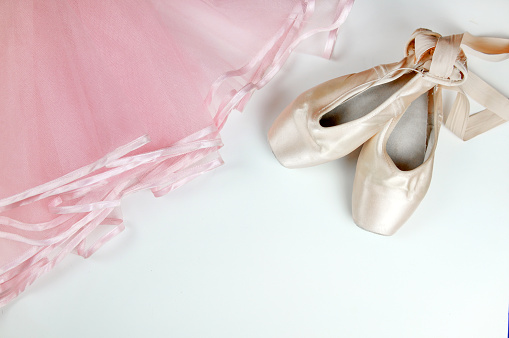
(100, 99)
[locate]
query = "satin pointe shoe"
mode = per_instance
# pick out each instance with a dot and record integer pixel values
(334, 118)
(395, 166)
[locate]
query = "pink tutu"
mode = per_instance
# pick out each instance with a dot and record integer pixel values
(100, 99)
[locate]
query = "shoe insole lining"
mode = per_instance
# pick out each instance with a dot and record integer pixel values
(407, 142)
(363, 103)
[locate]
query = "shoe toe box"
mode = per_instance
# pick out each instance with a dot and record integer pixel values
(383, 207)
(291, 142)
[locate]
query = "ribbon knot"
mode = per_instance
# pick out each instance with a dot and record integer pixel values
(442, 60)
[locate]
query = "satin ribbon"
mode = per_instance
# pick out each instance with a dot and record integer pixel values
(448, 69)
(459, 120)
(88, 202)
(279, 49)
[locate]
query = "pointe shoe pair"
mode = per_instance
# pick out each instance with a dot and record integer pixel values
(395, 112)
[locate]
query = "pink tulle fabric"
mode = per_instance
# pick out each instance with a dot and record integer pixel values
(100, 99)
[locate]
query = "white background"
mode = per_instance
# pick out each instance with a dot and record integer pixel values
(256, 250)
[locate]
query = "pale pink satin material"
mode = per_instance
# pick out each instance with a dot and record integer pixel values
(100, 99)
(385, 197)
(298, 138)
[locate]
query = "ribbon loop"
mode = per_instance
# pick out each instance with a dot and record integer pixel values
(442, 61)
(459, 119)
(448, 57)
